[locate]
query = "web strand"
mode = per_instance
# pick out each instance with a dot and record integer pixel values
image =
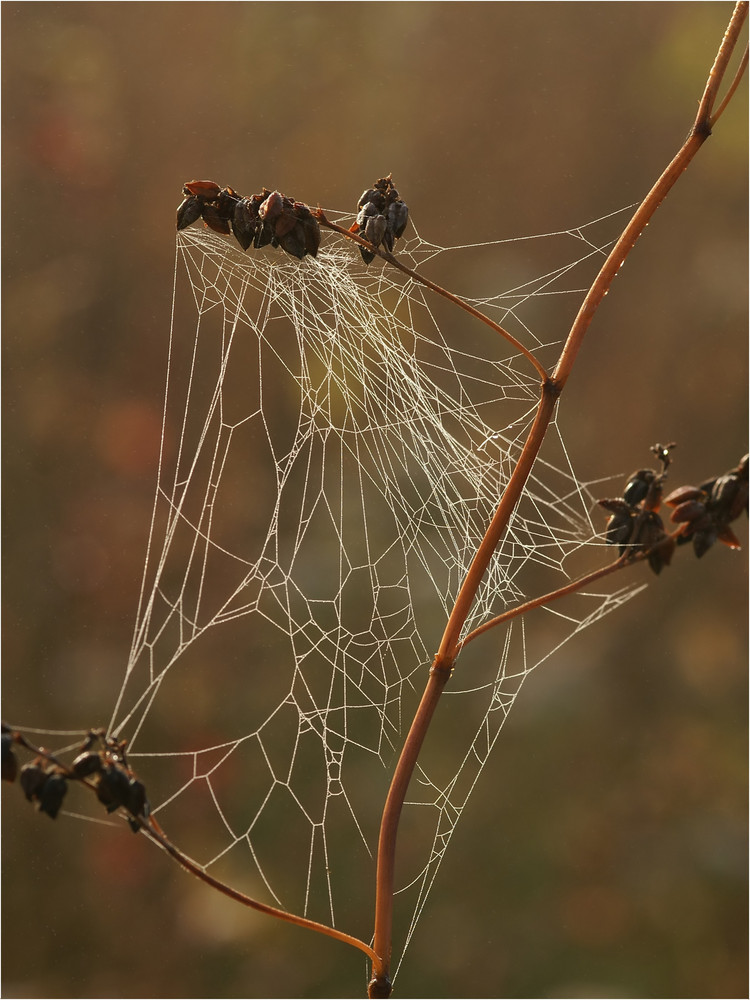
(330, 458)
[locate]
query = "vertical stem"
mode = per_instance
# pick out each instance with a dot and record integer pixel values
(551, 388)
(448, 647)
(380, 984)
(440, 671)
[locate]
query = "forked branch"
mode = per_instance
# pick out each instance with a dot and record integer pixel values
(551, 388)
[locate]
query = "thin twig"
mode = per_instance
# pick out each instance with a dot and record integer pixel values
(728, 96)
(154, 832)
(438, 289)
(627, 559)
(152, 829)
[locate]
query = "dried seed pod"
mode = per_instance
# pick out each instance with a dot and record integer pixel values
(137, 802)
(189, 212)
(374, 197)
(86, 764)
(310, 228)
(728, 537)
(207, 190)
(226, 202)
(703, 540)
(684, 493)
(214, 221)
(649, 534)
(50, 796)
(113, 789)
(288, 219)
(272, 207)
(397, 216)
(374, 229)
(371, 225)
(264, 235)
(32, 778)
(245, 222)
(269, 209)
(620, 525)
(293, 242)
(661, 554)
(729, 493)
(648, 530)
(692, 511)
(638, 485)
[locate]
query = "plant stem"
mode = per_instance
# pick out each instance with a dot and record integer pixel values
(700, 131)
(551, 388)
(152, 830)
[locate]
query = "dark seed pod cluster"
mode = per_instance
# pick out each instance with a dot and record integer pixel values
(101, 765)
(381, 217)
(635, 525)
(116, 785)
(705, 512)
(266, 218)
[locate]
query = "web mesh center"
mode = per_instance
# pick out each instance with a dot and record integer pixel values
(330, 461)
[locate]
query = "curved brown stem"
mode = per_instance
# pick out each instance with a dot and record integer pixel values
(733, 86)
(154, 832)
(551, 388)
(438, 289)
(151, 828)
(380, 983)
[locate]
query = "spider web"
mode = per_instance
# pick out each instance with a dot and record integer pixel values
(333, 448)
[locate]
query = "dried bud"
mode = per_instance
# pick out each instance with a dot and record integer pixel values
(397, 217)
(638, 485)
(206, 190)
(373, 197)
(50, 796)
(373, 227)
(137, 802)
(310, 228)
(620, 525)
(272, 207)
(214, 221)
(86, 764)
(381, 217)
(245, 222)
(32, 778)
(113, 789)
(189, 212)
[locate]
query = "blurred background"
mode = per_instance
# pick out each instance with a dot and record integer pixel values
(604, 852)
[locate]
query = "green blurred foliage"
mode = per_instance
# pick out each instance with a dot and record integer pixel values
(604, 851)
